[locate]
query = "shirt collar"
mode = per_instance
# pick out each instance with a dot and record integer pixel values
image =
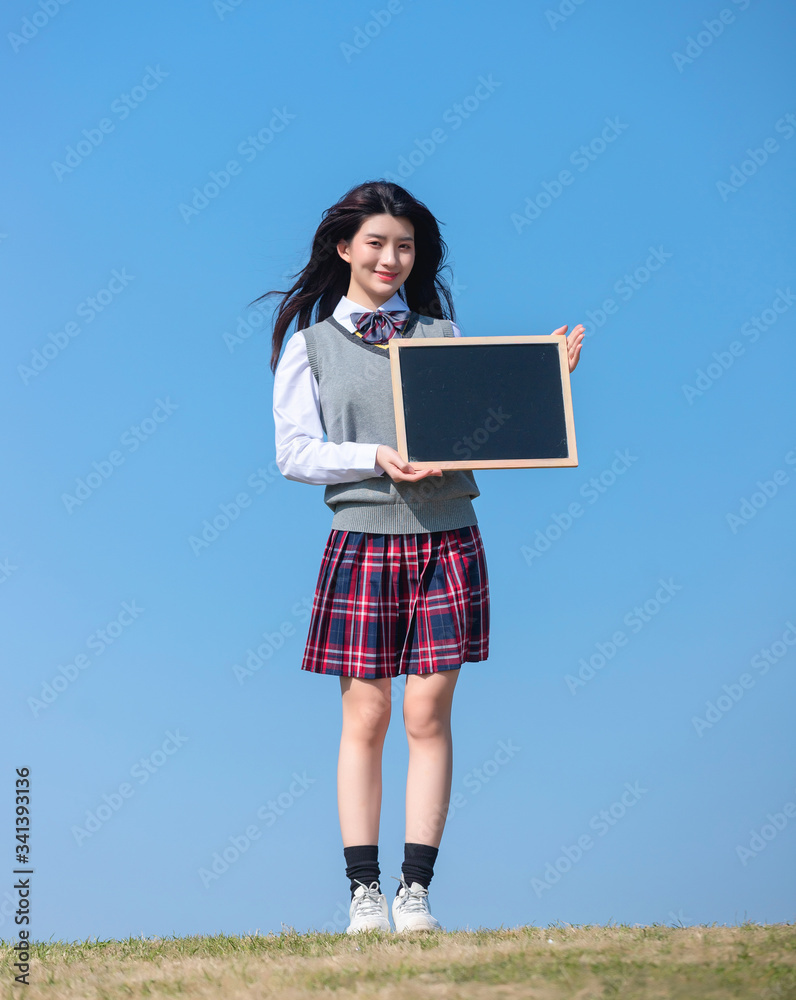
(346, 306)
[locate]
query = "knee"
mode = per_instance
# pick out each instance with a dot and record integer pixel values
(424, 722)
(368, 722)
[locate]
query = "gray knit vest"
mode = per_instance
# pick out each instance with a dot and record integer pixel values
(355, 392)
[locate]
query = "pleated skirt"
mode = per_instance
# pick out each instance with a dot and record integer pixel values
(386, 605)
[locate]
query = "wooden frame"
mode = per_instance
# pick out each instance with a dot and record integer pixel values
(563, 417)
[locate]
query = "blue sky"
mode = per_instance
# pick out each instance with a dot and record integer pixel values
(637, 703)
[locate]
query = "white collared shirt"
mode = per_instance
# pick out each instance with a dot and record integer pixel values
(302, 454)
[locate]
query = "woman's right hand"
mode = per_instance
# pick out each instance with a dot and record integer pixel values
(398, 470)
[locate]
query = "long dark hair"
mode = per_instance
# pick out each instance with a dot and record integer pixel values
(325, 279)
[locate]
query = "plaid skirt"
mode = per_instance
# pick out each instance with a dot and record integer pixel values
(399, 604)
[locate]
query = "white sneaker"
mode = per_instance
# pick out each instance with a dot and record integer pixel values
(410, 908)
(368, 911)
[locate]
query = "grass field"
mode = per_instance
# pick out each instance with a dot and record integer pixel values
(552, 963)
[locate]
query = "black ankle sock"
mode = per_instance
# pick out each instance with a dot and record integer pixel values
(418, 863)
(362, 865)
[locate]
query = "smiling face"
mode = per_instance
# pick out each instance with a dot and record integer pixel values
(381, 256)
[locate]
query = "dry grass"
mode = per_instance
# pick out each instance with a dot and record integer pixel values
(554, 963)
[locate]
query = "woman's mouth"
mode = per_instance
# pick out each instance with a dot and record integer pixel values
(386, 276)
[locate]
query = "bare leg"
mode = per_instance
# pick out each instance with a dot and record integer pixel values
(366, 716)
(427, 716)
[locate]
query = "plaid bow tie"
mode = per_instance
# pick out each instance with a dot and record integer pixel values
(377, 327)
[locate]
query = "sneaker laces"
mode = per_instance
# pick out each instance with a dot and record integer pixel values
(370, 900)
(412, 900)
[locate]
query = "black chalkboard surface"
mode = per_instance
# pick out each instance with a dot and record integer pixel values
(483, 402)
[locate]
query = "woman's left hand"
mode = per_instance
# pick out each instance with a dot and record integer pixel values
(574, 343)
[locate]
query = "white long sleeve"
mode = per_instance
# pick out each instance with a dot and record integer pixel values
(302, 453)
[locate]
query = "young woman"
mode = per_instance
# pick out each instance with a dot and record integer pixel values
(403, 586)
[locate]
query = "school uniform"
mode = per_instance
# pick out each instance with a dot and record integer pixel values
(403, 585)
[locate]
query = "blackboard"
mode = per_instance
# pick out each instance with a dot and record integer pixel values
(483, 402)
